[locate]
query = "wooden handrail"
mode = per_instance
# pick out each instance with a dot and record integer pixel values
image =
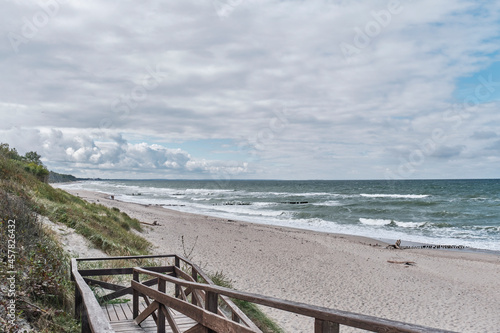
(326, 319)
(149, 256)
(86, 306)
(321, 314)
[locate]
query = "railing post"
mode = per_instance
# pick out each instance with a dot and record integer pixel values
(78, 303)
(194, 275)
(178, 265)
(135, 297)
(323, 326)
(85, 322)
(161, 315)
(211, 304)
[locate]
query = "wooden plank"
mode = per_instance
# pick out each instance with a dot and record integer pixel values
(161, 314)
(197, 329)
(108, 310)
(146, 300)
(151, 256)
(120, 305)
(127, 290)
(211, 304)
(212, 301)
(126, 327)
(135, 297)
(170, 318)
(184, 275)
(130, 309)
(105, 285)
(183, 294)
(177, 264)
(78, 301)
(146, 313)
(239, 315)
(117, 314)
(123, 271)
(105, 308)
(198, 296)
(85, 322)
(194, 276)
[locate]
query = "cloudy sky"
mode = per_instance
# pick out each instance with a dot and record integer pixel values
(235, 89)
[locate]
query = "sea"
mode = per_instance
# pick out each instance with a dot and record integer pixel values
(438, 212)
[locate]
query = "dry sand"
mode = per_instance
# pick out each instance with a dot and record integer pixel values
(75, 244)
(452, 290)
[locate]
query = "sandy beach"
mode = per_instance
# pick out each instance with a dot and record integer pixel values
(454, 290)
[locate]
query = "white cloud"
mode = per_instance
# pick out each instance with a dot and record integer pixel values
(115, 156)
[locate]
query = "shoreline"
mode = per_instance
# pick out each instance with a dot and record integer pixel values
(375, 241)
(430, 234)
(454, 290)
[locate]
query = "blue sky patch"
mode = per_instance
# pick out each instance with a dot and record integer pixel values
(481, 87)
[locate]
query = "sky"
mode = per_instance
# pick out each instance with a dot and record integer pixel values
(250, 89)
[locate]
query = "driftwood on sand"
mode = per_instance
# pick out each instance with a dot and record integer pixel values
(397, 245)
(155, 223)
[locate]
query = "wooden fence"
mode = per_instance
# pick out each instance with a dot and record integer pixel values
(209, 305)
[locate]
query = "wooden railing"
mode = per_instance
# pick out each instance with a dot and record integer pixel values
(201, 302)
(214, 312)
(87, 309)
(326, 320)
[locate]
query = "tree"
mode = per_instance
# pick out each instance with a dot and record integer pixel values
(6, 151)
(33, 157)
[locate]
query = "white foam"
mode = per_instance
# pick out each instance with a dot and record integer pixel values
(331, 203)
(409, 224)
(382, 222)
(395, 196)
(376, 222)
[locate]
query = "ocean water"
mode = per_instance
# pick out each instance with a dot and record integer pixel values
(444, 212)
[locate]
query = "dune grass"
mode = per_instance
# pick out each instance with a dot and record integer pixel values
(107, 229)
